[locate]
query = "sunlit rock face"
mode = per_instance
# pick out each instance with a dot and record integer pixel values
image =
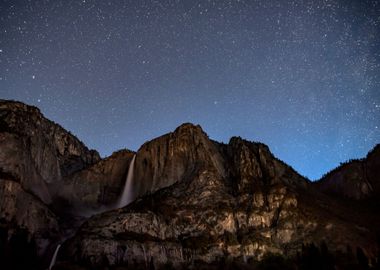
(174, 157)
(201, 201)
(357, 179)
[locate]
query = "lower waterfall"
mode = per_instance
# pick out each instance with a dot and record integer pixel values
(54, 258)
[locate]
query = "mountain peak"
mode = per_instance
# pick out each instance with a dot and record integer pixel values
(22, 109)
(189, 128)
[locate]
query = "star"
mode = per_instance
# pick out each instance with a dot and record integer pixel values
(297, 75)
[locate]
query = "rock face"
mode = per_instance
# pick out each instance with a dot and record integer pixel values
(35, 154)
(86, 191)
(174, 157)
(26, 226)
(36, 151)
(197, 202)
(25, 211)
(221, 202)
(357, 179)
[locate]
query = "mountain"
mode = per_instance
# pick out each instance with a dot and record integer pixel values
(195, 203)
(233, 202)
(35, 155)
(357, 179)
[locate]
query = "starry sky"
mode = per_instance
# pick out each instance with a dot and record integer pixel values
(302, 77)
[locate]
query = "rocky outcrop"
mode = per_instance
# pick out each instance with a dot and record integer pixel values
(36, 151)
(252, 165)
(357, 179)
(174, 157)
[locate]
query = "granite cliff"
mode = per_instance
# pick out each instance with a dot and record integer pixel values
(36, 151)
(219, 203)
(196, 203)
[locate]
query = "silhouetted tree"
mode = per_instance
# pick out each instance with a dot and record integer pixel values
(307, 258)
(168, 266)
(310, 258)
(347, 259)
(362, 258)
(21, 252)
(274, 262)
(377, 259)
(327, 259)
(3, 243)
(151, 264)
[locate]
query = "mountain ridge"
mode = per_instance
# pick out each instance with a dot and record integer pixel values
(197, 202)
(352, 180)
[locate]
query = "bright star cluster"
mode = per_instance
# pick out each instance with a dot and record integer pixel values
(301, 76)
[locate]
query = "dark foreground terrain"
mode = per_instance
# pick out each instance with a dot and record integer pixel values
(197, 204)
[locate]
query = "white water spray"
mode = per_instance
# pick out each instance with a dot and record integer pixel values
(52, 262)
(127, 195)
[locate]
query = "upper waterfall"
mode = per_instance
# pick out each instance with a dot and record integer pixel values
(127, 195)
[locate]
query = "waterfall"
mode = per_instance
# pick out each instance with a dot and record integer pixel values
(52, 262)
(127, 195)
(145, 258)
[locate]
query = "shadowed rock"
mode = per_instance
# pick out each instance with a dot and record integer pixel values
(36, 151)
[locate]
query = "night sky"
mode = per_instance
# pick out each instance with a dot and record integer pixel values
(302, 77)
